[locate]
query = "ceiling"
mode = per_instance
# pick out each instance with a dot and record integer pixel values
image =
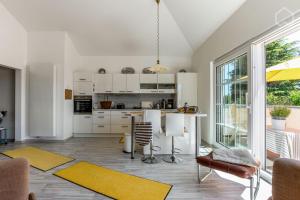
(126, 28)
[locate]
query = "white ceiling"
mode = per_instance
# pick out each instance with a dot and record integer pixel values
(126, 28)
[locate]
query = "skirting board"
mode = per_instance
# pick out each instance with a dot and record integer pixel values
(97, 135)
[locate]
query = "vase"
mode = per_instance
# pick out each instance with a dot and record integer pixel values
(279, 124)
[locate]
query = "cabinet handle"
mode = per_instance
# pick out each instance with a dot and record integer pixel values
(82, 79)
(100, 117)
(124, 112)
(100, 112)
(101, 126)
(81, 93)
(124, 126)
(125, 117)
(129, 91)
(87, 117)
(107, 91)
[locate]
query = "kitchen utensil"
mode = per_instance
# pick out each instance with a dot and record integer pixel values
(127, 70)
(102, 71)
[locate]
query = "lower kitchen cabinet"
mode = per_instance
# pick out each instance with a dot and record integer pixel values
(101, 128)
(119, 128)
(82, 124)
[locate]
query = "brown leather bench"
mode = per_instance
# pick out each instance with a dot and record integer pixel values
(241, 171)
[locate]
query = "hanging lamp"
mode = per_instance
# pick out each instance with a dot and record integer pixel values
(158, 68)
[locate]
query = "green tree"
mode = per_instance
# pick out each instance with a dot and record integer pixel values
(281, 51)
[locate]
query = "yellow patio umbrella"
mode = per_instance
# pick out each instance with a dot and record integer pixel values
(289, 70)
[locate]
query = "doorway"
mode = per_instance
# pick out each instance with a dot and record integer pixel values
(7, 101)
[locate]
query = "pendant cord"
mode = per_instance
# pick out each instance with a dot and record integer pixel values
(158, 37)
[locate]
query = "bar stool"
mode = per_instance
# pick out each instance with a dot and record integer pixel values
(152, 117)
(3, 132)
(174, 128)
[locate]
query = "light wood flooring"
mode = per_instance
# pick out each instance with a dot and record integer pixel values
(107, 152)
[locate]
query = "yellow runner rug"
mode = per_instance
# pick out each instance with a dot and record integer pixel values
(114, 184)
(38, 158)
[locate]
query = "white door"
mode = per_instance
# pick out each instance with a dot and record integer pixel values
(103, 83)
(83, 124)
(119, 83)
(83, 88)
(133, 83)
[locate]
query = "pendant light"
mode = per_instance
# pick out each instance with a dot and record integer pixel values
(158, 68)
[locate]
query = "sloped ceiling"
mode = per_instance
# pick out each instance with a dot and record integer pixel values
(126, 27)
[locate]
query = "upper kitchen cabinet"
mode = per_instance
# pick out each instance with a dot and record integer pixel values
(148, 83)
(187, 89)
(119, 83)
(103, 83)
(83, 76)
(83, 88)
(166, 83)
(133, 83)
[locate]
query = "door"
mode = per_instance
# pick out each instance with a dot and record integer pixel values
(119, 83)
(103, 83)
(82, 124)
(133, 83)
(83, 88)
(187, 89)
(232, 113)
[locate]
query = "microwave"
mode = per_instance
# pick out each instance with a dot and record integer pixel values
(83, 104)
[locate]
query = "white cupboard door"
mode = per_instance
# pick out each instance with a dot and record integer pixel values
(119, 83)
(108, 83)
(166, 78)
(83, 76)
(133, 83)
(83, 124)
(148, 78)
(83, 88)
(187, 89)
(102, 83)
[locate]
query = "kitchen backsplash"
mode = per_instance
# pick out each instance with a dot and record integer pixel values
(132, 100)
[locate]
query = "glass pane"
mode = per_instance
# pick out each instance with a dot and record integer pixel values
(231, 109)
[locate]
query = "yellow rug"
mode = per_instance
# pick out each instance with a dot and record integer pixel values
(114, 184)
(38, 158)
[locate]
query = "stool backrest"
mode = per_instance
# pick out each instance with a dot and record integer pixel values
(174, 124)
(153, 116)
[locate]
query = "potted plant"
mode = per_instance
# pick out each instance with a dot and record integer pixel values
(279, 115)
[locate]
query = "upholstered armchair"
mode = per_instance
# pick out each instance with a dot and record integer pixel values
(286, 179)
(14, 180)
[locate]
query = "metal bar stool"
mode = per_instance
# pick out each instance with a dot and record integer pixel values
(3, 132)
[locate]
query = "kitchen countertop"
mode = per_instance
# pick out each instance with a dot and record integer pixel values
(130, 109)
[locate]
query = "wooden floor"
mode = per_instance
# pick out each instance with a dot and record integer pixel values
(108, 153)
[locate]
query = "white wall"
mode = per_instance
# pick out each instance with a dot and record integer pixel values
(114, 64)
(13, 41)
(13, 53)
(72, 60)
(252, 19)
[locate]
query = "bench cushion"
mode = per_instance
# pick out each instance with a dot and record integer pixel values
(241, 171)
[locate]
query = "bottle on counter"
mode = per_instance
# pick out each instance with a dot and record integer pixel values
(163, 104)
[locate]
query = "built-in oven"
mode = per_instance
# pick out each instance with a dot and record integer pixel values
(83, 104)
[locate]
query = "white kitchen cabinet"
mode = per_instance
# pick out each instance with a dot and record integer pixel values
(103, 83)
(166, 83)
(83, 76)
(148, 83)
(82, 124)
(120, 122)
(133, 83)
(83, 88)
(119, 83)
(101, 122)
(166, 78)
(148, 78)
(187, 89)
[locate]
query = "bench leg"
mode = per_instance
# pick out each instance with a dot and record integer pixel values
(253, 193)
(207, 175)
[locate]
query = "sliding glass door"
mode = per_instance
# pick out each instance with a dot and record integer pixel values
(232, 113)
